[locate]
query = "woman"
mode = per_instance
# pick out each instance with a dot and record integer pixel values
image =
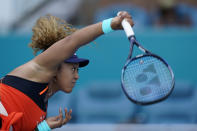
(25, 91)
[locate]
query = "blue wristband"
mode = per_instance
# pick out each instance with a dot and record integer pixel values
(106, 26)
(43, 126)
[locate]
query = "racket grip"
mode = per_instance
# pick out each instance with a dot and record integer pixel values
(127, 28)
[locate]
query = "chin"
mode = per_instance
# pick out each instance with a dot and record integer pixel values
(68, 91)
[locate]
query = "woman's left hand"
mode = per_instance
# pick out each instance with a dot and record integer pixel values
(116, 21)
(58, 121)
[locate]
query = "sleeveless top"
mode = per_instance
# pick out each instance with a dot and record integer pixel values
(24, 101)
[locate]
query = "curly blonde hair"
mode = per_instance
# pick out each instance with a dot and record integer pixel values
(48, 30)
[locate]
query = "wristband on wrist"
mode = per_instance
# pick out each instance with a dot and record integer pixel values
(106, 26)
(43, 126)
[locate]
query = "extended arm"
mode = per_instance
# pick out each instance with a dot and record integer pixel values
(43, 67)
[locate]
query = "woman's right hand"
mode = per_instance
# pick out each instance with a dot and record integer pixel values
(59, 121)
(116, 21)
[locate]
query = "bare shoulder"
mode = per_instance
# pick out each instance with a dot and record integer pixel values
(34, 72)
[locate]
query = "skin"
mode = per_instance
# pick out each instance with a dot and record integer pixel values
(48, 67)
(64, 81)
(66, 78)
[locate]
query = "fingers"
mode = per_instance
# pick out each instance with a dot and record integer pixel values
(125, 15)
(58, 121)
(60, 118)
(55, 122)
(67, 116)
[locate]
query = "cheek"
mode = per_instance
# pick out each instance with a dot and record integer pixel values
(64, 80)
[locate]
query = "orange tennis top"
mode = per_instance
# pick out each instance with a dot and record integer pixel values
(24, 102)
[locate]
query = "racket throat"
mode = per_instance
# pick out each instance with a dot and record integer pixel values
(132, 42)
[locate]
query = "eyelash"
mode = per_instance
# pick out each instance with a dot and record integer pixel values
(74, 69)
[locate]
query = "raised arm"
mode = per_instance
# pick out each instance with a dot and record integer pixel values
(66, 47)
(43, 66)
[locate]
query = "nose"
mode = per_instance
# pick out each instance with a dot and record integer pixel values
(76, 75)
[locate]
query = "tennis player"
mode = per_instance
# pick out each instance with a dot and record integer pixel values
(24, 92)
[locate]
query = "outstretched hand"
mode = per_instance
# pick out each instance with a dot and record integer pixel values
(58, 121)
(116, 21)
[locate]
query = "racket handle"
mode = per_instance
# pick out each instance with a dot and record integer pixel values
(127, 28)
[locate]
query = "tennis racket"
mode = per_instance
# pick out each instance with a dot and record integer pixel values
(146, 78)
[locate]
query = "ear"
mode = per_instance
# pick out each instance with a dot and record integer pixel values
(55, 79)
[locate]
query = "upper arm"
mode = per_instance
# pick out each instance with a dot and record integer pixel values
(54, 55)
(63, 49)
(44, 66)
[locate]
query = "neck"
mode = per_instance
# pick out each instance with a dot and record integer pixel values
(53, 88)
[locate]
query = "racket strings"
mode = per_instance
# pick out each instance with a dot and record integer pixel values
(146, 79)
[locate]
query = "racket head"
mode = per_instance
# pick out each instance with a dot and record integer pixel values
(147, 79)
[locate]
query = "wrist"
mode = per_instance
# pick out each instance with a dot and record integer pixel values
(43, 126)
(106, 26)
